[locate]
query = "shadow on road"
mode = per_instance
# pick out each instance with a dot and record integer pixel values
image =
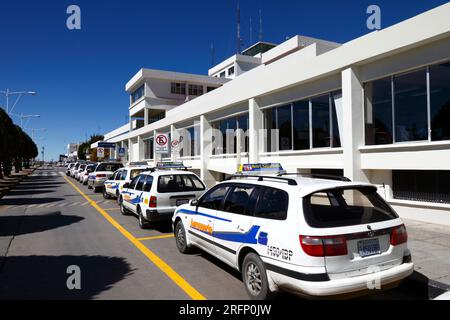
(27, 201)
(45, 277)
(18, 192)
(21, 224)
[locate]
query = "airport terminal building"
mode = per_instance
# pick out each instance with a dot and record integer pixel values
(374, 109)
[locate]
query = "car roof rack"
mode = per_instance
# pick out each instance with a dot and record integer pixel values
(291, 182)
(317, 176)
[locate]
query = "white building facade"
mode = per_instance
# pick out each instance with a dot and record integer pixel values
(374, 109)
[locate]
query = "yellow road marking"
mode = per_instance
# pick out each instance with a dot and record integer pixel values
(163, 266)
(156, 237)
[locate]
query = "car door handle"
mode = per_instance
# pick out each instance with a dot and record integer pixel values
(240, 229)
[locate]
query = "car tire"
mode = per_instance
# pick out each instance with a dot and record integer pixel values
(143, 223)
(180, 238)
(89, 187)
(254, 276)
(106, 194)
(124, 211)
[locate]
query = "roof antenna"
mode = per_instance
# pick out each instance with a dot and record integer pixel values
(251, 31)
(260, 26)
(213, 53)
(238, 40)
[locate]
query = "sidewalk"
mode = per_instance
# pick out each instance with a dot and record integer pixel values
(430, 248)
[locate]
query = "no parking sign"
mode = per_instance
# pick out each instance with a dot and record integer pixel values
(162, 143)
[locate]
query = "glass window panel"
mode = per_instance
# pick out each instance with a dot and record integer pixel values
(378, 112)
(285, 126)
(243, 124)
(269, 124)
(301, 125)
(440, 101)
(410, 93)
(321, 121)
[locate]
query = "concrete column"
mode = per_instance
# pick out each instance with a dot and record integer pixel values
(145, 116)
(141, 148)
(130, 150)
(205, 152)
(353, 124)
(255, 116)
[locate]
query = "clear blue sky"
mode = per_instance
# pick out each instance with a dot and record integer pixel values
(80, 75)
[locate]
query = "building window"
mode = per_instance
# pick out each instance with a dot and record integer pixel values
(440, 101)
(410, 105)
(321, 125)
(378, 112)
(230, 71)
(148, 148)
(209, 89)
(301, 125)
(195, 90)
(425, 186)
(137, 94)
(231, 125)
(156, 115)
(299, 130)
(178, 88)
(222, 74)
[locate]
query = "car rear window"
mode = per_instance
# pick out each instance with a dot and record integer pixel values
(109, 166)
(179, 183)
(346, 207)
(136, 172)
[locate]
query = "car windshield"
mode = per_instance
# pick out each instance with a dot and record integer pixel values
(179, 183)
(109, 167)
(136, 172)
(341, 207)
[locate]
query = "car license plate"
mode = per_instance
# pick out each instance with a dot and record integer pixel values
(179, 202)
(369, 247)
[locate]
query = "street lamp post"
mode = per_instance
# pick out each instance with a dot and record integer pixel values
(23, 116)
(19, 94)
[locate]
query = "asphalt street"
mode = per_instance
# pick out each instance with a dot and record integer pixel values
(51, 222)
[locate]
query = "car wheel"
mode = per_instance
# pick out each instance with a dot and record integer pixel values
(106, 194)
(124, 211)
(254, 277)
(143, 224)
(89, 187)
(180, 238)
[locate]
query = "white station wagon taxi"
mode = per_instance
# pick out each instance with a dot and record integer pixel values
(303, 234)
(154, 195)
(115, 183)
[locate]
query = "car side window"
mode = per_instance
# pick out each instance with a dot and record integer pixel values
(272, 204)
(122, 175)
(140, 184)
(114, 176)
(241, 200)
(134, 182)
(148, 183)
(214, 198)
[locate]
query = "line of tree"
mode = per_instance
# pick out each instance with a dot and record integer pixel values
(16, 147)
(85, 148)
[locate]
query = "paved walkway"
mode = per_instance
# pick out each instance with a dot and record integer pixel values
(430, 248)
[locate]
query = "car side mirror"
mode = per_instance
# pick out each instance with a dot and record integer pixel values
(193, 202)
(126, 185)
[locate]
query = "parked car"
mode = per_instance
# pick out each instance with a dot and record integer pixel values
(310, 236)
(69, 168)
(79, 170)
(101, 173)
(154, 196)
(85, 174)
(115, 183)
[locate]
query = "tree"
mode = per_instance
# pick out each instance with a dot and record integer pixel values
(15, 146)
(85, 147)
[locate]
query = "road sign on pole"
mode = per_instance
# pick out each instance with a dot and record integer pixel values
(162, 143)
(100, 152)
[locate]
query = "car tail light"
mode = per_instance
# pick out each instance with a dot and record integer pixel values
(100, 175)
(399, 235)
(328, 246)
(152, 202)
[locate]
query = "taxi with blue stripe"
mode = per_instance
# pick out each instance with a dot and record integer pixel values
(307, 234)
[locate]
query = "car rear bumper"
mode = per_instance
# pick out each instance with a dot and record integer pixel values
(364, 283)
(155, 215)
(97, 183)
